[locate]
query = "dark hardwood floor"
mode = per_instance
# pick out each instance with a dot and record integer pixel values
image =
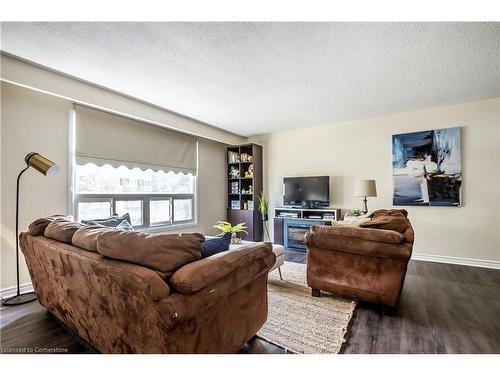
(443, 309)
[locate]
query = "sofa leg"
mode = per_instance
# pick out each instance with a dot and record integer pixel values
(279, 270)
(316, 292)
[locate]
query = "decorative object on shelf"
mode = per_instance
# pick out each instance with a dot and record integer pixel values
(226, 227)
(49, 169)
(235, 205)
(244, 157)
(249, 172)
(247, 191)
(234, 187)
(365, 188)
(264, 213)
(245, 205)
(234, 172)
(427, 168)
(233, 157)
(250, 205)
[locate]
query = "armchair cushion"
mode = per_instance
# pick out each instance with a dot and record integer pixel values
(161, 252)
(195, 276)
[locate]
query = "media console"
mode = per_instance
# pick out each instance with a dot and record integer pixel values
(291, 224)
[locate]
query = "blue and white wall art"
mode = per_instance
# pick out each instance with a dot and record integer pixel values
(427, 168)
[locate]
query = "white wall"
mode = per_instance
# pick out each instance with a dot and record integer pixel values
(362, 149)
(33, 121)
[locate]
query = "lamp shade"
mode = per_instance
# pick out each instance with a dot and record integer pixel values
(365, 188)
(42, 164)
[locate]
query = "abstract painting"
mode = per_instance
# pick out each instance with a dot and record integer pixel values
(427, 168)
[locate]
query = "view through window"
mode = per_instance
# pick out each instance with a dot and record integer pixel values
(152, 198)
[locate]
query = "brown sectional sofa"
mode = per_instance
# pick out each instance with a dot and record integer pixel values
(211, 305)
(366, 262)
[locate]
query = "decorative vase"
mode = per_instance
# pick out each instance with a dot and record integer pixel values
(235, 240)
(265, 217)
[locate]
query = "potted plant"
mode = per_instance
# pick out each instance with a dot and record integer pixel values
(225, 227)
(264, 212)
(263, 207)
(357, 212)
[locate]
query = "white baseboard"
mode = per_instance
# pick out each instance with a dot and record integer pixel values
(456, 260)
(9, 292)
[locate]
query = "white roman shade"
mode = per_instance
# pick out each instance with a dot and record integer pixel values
(104, 138)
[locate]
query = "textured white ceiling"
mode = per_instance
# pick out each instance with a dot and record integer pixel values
(251, 78)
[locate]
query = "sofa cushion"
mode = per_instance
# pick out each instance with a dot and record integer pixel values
(37, 227)
(86, 236)
(161, 252)
(395, 220)
(62, 229)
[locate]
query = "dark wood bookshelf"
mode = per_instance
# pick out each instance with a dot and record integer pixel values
(243, 192)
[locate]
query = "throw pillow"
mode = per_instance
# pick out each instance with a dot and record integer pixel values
(348, 223)
(111, 222)
(216, 245)
(125, 225)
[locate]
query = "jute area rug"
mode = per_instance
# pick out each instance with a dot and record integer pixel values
(300, 323)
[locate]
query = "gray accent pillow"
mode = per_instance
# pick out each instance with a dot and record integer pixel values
(125, 225)
(111, 222)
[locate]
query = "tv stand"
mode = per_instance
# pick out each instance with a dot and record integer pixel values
(291, 224)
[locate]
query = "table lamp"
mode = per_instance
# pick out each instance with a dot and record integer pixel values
(365, 188)
(49, 169)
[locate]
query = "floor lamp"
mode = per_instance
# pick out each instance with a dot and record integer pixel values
(49, 169)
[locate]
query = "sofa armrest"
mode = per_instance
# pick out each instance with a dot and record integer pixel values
(378, 235)
(209, 281)
(195, 276)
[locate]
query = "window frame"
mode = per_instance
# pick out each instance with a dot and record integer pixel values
(145, 199)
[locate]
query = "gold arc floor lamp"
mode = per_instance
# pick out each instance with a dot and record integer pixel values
(365, 188)
(49, 169)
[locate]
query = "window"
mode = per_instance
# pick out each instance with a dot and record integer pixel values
(152, 199)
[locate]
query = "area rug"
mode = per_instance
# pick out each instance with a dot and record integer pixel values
(300, 323)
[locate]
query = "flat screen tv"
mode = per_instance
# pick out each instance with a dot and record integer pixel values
(308, 192)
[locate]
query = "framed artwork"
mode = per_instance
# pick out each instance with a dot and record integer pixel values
(427, 168)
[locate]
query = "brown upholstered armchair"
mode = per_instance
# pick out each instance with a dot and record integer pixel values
(369, 264)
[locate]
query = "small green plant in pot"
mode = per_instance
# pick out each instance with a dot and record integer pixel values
(357, 212)
(226, 227)
(263, 207)
(264, 212)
